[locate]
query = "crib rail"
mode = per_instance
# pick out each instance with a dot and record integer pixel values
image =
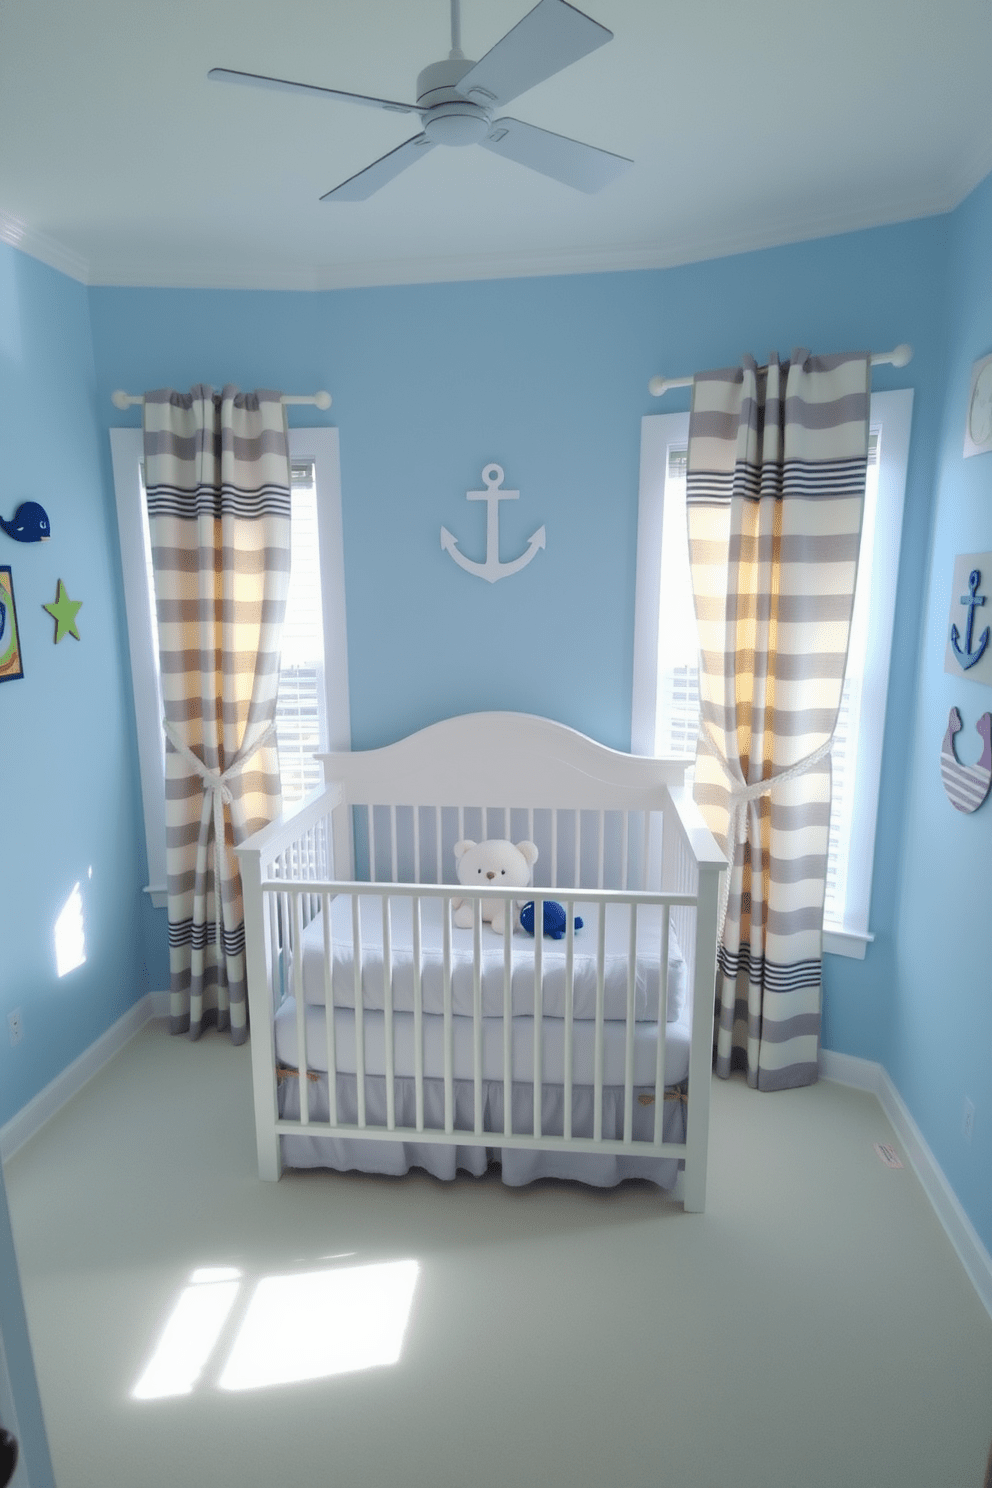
(657, 859)
(286, 905)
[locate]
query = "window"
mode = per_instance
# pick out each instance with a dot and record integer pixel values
(312, 708)
(301, 710)
(666, 699)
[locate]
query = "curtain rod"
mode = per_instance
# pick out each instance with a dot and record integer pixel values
(897, 358)
(120, 399)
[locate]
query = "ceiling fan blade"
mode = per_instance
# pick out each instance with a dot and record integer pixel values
(381, 171)
(259, 80)
(566, 160)
(551, 36)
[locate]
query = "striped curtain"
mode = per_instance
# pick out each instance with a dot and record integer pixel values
(217, 477)
(775, 493)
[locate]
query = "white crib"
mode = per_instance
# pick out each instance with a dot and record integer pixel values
(375, 1021)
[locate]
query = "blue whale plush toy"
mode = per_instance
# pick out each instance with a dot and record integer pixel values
(554, 919)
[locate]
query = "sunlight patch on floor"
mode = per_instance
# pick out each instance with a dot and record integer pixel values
(304, 1325)
(190, 1334)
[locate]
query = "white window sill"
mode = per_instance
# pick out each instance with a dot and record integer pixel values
(159, 896)
(840, 942)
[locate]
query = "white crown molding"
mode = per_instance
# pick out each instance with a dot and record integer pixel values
(971, 172)
(142, 271)
(47, 250)
(440, 269)
(42, 1107)
(864, 1074)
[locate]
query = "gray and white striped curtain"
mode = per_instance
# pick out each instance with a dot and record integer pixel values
(217, 477)
(775, 495)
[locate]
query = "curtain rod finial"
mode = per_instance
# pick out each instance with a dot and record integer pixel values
(902, 355)
(120, 399)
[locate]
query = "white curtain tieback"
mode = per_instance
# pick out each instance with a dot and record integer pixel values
(215, 781)
(741, 797)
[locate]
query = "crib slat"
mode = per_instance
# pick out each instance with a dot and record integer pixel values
(659, 1072)
(577, 871)
(624, 848)
(597, 1125)
(329, 1028)
(302, 1061)
(393, 845)
(370, 810)
(569, 1013)
(356, 956)
(418, 1015)
(628, 1062)
(554, 847)
(438, 843)
(601, 848)
(477, 1011)
(276, 963)
(449, 1112)
(507, 1027)
(538, 1012)
(387, 1004)
(646, 854)
(506, 823)
(312, 859)
(416, 844)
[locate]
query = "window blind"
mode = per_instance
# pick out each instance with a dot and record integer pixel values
(300, 723)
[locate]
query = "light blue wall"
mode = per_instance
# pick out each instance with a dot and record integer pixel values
(549, 378)
(70, 810)
(938, 1046)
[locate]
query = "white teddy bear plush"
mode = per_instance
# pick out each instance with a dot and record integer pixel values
(497, 862)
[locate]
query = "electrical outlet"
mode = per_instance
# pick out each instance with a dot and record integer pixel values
(968, 1119)
(16, 1026)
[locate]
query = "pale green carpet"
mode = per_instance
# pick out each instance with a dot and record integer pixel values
(814, 1327)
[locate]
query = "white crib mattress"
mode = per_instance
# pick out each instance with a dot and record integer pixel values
(677, 1038)
(647, 978)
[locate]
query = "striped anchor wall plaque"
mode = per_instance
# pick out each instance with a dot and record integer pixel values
(966, 785)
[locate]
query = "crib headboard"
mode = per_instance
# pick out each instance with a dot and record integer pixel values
(500, 775)
(500, 758)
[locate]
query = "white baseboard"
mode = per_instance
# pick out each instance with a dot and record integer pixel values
(865, 1074)
(161, 1004)
(32, 1117)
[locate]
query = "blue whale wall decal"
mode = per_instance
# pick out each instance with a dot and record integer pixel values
(29, 523)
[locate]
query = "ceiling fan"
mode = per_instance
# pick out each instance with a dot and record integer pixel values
(457, 98)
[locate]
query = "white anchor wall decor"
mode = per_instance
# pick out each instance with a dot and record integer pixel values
(968, 652)
(966, 785)
(492, 569)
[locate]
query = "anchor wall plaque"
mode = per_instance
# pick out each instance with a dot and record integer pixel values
(969, 623)
(966, 785)
(492, 569)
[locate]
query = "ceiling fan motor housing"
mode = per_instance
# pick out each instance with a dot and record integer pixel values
(448, 117)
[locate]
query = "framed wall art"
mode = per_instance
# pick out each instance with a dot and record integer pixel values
(968, 646)
(11, 666)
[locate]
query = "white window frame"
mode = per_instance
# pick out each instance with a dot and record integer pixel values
(891, 413)
(319, 445)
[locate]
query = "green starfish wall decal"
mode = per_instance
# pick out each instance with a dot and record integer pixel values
(64, 612)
